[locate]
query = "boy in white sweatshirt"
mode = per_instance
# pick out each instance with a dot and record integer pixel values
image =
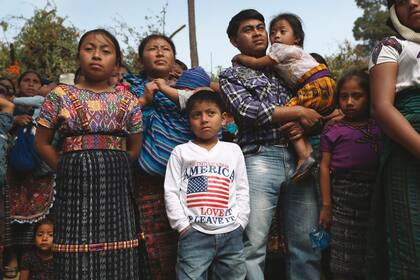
(207, 196)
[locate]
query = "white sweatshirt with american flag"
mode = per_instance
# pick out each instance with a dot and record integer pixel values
(207, 189)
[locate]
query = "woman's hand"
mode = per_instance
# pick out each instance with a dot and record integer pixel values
(149, 92)
(160, 83)
(325, 216)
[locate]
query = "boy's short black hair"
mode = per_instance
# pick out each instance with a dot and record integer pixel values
(204, 96)
(236, 20)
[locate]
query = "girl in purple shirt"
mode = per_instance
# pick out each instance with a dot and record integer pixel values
(349, 158)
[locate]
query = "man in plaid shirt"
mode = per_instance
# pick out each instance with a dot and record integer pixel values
(256, 99)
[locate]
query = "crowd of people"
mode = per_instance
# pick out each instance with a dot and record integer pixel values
(166, 174)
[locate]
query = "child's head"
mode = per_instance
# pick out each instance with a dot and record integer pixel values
(353, 94)
(5, 92)
(44, 235)
(287, 29)
(98, 53)
(8, 83)
(319, 58)
(29, 83)
(206, 115)
(177, 70)
(118, 74)
(193, 78)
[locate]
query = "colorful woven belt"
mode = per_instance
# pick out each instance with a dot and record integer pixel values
(94, 142)
(85, 248)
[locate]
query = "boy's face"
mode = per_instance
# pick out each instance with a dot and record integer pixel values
(251, 38)
(205, 121)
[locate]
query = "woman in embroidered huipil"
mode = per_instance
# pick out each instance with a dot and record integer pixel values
(95, 235)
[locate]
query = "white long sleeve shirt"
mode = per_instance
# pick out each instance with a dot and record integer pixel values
(207, 189)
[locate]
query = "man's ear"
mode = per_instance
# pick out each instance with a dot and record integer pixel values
(233, 42)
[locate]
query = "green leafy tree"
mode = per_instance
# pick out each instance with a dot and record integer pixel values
(347, 57)
(46, 45)
(130, 36)
(371, 27)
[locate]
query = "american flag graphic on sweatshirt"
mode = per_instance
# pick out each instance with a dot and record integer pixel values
(208, 191)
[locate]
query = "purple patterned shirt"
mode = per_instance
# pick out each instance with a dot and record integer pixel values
(251, 97)
(351, 147)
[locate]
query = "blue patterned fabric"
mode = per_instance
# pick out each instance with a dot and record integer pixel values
(164, 127)
(193, 78)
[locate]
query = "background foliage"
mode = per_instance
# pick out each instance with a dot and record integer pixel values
(46, 43)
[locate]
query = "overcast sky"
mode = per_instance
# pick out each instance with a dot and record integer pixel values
(327, 23)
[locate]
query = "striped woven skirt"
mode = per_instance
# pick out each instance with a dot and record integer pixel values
(95, 235)
(351, 194)
(161, 241)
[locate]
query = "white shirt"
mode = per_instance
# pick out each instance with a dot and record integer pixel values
(292, 61)
(406, 54)
(207, 189)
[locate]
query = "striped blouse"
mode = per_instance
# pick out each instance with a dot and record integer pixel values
(164, 127)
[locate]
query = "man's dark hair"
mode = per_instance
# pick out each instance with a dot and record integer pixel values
(204, 96)
(236, 20)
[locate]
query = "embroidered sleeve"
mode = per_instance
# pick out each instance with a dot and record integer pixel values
(50, 109)
(135, 117)
(388, 50)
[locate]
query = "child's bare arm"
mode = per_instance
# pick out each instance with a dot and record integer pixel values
(253, 62)
(6, 106)
(325, 215)
(169, 91)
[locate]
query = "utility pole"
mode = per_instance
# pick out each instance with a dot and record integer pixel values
(193, 37)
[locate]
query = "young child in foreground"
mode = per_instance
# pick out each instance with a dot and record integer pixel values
(38, 264)
(350, 150)
(310, 80)
(207, 196)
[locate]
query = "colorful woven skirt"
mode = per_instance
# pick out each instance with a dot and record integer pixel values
(161, 241)
(95, 236)
(351, 195)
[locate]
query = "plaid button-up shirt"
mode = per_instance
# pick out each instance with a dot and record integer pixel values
(251, 96)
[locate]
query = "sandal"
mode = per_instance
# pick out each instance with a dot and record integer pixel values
(304, 170)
